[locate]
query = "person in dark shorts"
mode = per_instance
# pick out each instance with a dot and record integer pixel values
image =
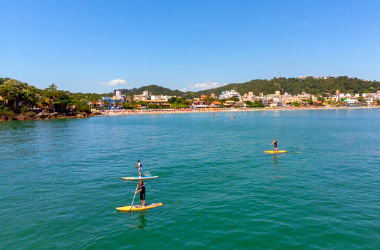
(275, 145)
(142, 193)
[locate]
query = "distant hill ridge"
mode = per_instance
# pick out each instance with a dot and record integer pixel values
(296, 86)
(154, 89)
(293, 86)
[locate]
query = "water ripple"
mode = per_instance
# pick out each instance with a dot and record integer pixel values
(61, 181)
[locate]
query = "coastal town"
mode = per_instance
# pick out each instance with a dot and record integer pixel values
(234, 100)
(21, 101)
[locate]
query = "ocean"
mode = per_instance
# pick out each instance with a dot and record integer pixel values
(60, 181)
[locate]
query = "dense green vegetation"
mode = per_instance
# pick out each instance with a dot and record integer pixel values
(89, 96)
(18, 96)
(255, 104)
(179, 102)
(154, 106)
(296, 104)
(154, 89)
(296, 86)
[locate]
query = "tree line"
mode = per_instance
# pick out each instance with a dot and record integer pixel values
(296, 86)
(154, 89)
(20, 97)
(293, 86)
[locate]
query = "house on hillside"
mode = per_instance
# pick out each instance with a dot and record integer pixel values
(229, 94)
(143, 97)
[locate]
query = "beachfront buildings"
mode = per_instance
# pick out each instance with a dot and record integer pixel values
(145, 96)
(118, 99)
(226, 101)
(115, 100)
(286, 99)
(162, 103)
(229, 94)
(215, 104)
(200, 104)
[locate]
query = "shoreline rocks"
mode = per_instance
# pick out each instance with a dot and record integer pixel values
(45, 116)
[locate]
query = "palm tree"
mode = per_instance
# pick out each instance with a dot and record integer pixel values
(106, 103)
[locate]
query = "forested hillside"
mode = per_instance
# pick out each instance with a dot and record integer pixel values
(154, 89)
(293, 86)
(296, 86)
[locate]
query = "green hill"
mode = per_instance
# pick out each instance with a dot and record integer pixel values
(154, 89)
(296, 86)
(293, 86)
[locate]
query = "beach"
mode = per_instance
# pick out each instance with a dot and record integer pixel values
(218, 110)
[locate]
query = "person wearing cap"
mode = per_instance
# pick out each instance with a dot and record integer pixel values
(139, 167)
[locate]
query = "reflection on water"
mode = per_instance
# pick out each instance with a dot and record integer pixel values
(295, 199)
(138, 219)
(275, 160)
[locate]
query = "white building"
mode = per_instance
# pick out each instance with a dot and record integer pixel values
(351, 101)
(143, 97)
(229, 94)
(157, 97)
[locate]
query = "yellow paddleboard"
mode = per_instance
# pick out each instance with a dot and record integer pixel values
(138, 207)
(274, 152)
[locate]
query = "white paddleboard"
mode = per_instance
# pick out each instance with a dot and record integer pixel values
(138, 178)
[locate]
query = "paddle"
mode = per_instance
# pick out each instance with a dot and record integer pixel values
(134, 198)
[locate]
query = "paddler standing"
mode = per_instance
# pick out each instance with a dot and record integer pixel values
(139, 167)
(142, 193)
(275, 145)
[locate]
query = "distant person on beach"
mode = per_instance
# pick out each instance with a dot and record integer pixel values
(139, 167)
(274, 143)
(142, 193)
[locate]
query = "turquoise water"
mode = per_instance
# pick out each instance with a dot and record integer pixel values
(60, 181)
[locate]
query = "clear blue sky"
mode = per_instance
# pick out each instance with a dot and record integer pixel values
(83, 46)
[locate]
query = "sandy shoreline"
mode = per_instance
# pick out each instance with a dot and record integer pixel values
(186, 111)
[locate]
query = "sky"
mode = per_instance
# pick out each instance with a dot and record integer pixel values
(98, 46)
